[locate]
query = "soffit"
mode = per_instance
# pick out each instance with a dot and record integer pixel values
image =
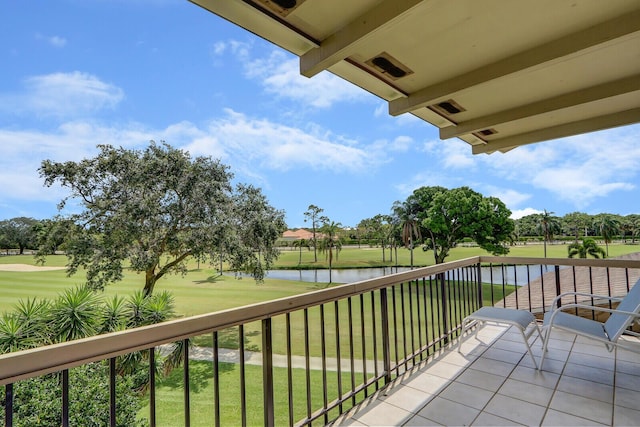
(521, 71)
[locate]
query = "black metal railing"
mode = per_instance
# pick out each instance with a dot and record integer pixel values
(305, 360)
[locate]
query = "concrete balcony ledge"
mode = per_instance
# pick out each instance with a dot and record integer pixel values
(493, 382)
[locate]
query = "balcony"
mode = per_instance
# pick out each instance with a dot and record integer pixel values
(375, 352)
(494, 382)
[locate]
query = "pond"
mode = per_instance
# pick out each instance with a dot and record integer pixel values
(517, 275)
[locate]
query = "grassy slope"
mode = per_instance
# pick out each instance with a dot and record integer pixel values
(200, 291)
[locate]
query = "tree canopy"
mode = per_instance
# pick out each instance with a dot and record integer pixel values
(448, 216)
(155, 208)
(18, 233)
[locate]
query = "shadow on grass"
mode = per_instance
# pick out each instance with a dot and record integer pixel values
(200, 375)
(210, 279)
(228, 338)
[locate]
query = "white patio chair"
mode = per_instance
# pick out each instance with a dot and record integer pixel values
(608, 332)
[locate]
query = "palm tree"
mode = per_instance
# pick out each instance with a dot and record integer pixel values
(330, 241)
(300, 243)
(409, 226)
(635, 229)
(587, 247)
(313, 214)
(608, 226)
(548, 225)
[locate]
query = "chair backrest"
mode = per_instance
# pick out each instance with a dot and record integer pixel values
(617, 323)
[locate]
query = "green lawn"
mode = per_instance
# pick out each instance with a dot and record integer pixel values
(171, 395)
(200, 291)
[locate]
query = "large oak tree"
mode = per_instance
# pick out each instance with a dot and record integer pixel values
(153, 209)
(448, 216)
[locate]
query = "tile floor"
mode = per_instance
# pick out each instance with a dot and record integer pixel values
(493, 382)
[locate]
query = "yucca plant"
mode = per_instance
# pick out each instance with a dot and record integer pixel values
(114, 315)
(75, 314)
(14, 334)
(34, 315)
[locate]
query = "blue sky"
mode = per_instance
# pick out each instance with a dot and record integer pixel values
(77, 73)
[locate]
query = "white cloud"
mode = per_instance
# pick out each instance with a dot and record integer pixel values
(55, 41)
(509, 197)
(400, 144)
(22, 152)
(279, 74)
(519, 213)
(62, 95)
(577, 170)
(241, 50)
(269, 145)
(252, 147)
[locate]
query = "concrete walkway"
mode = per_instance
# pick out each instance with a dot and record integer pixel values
(279, 360)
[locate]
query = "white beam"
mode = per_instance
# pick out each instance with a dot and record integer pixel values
(339, 45)
(561, 131)
(554, 50)
(607, 90)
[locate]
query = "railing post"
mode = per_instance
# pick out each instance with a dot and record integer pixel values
(65, 398)
(152, 387)
(112, 392)
(267, 372)
(386, 345)
(558, 291)
(185, 380)
(480, 295)
(8, 405)
(445, 306)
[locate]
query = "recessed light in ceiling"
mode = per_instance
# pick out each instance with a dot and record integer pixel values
(389, 66)
(447, 108)
(286, 4)
(281, 7)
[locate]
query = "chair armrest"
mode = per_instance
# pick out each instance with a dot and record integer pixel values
(583, 294)
(604, 309)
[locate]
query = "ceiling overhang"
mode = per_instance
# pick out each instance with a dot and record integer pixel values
(497, 74)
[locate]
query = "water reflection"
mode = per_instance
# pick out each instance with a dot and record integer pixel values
(512, 275)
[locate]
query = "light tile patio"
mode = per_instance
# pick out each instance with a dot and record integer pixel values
(493, 382)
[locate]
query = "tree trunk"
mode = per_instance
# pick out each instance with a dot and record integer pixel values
(149, 282)
(330, 262)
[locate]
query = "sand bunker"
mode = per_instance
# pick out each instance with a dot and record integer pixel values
(27, 267)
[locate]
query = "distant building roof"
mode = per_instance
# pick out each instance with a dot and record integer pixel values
(298, 234)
